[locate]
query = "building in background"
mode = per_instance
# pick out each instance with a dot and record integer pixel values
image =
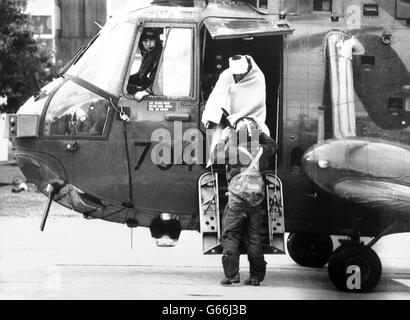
(117, 6)
(65, 25)
(43, 17)
(78, 23)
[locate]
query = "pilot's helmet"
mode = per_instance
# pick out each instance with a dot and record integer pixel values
(149, 33)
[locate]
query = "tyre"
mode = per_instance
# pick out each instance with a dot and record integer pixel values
(310, 250)
(355, 269)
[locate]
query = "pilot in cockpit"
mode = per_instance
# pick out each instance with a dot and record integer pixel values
(150, 46)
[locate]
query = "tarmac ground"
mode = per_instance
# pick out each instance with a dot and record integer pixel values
(80, 259)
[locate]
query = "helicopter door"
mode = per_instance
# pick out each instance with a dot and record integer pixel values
(159, 124)
(229, 28)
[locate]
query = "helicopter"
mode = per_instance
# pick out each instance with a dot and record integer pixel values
(338, 105)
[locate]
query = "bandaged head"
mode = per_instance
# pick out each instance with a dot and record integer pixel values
(238, 65)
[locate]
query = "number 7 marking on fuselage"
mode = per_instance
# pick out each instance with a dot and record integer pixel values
(147, 146)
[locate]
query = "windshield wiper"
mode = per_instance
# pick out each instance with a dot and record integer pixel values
(77, 56)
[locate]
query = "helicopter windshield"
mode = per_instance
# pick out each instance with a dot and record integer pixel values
(103, 64)
(76, 111)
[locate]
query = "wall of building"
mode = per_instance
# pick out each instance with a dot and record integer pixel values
(77, 22)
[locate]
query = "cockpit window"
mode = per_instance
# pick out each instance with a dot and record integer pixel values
(175, 73)
(144, 65)
(103, 64)
(76, 111)
(166, 69)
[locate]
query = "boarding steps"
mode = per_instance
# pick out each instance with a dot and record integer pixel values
(212, 201)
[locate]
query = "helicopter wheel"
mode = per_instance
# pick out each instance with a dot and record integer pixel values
(355, 268)
(310, 250)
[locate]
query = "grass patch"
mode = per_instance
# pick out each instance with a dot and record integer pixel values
(30, 203)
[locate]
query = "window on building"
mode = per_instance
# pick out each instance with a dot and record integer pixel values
(322, 5)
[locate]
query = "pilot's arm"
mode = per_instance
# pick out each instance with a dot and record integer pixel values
(148, 90)
(139, 81)
(149, 76)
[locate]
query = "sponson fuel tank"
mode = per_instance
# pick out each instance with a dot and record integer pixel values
(371, 172)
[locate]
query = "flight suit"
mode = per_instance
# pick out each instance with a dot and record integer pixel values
(241, 220)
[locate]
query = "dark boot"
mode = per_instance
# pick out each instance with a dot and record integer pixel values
(230, 280)
(252, 281)
(230, 264)
(257, 268)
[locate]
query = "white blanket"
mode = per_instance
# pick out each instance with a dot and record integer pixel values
(247, 98)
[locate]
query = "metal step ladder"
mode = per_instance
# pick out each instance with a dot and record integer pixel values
(210, 217)
(209, 214)
(276, 209)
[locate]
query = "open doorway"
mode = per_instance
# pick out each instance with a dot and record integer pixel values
(266, 50)
(267, 53)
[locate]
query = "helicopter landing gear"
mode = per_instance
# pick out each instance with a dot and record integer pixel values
(355, 268)
(310, 249)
